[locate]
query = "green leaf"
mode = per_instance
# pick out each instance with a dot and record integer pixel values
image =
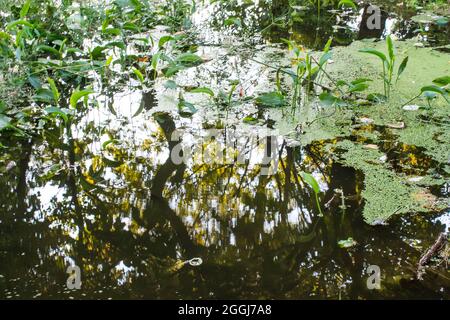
(377, 97)
(442, 81)
(435, 89)
(347, 243)
(390, 46)
(233, 21)
(164, 40)
(140, 109)
(77, 95)
(311, 181)
(139, 75)
(324, 58)
(59, 112)
(54, 89)
(11, 25)
(25, 9)
(270, 100)
(3, 107)
(250, 120)
(35, 82)
(113, 31)
(203, 90)
(44, 95)
(5, 121)
(329, 100)
(50, 50)
(107, 143)
(358, 87)
(188, 59)
(347, 3)
(328, 45)
(186, 108)
(375, 52)
(97, 53)
(170, 84)
(402, 67)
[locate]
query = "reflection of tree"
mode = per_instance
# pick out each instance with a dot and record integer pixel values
(262, 238)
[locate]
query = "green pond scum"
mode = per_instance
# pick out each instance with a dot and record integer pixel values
(239, 149)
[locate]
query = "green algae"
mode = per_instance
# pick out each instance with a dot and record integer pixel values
(385, 192)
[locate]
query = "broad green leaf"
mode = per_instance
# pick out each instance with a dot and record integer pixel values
(435, 89)
(97, 53)
(49, 49)
(188, 59)
(271, 99)
(11, 25)
(390, 46)
(139, 75)
(54, 89)
(347, 3)
(170, 84)
(375, 52)
(360, 80)
(311, 181)
(186, 108)
(59, 112)
(113, 31)
(107, 143)
(77, 95)
(164, 40)
(3, 107)
(35, 82)
(358, 87)
(203, 90)
(442, 81)
(402, 67)
(250, 120)
(324, 58)
(25, 9)
(329, 100)
(44, 95)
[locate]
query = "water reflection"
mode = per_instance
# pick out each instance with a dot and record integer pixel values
(106, 196)
(126, 214)
(276, 20)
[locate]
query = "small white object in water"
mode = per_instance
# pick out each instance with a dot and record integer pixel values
(415, 179)
(366, 120)
(195, 262)
(412, 107)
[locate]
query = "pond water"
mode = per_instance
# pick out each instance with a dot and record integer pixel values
(108, 198)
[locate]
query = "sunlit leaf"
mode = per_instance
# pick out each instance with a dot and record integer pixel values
(25, 9)
(203, 90)
(77, 95)
(402, 67)
(311, 181)
(377, 53)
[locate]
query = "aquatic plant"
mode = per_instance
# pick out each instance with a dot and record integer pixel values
(312, 182)
(440, 87)
(388, 63)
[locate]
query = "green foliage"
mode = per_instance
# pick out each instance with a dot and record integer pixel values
(388, 65)
(312, 182)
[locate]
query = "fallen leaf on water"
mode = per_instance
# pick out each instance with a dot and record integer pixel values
(399, 125)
